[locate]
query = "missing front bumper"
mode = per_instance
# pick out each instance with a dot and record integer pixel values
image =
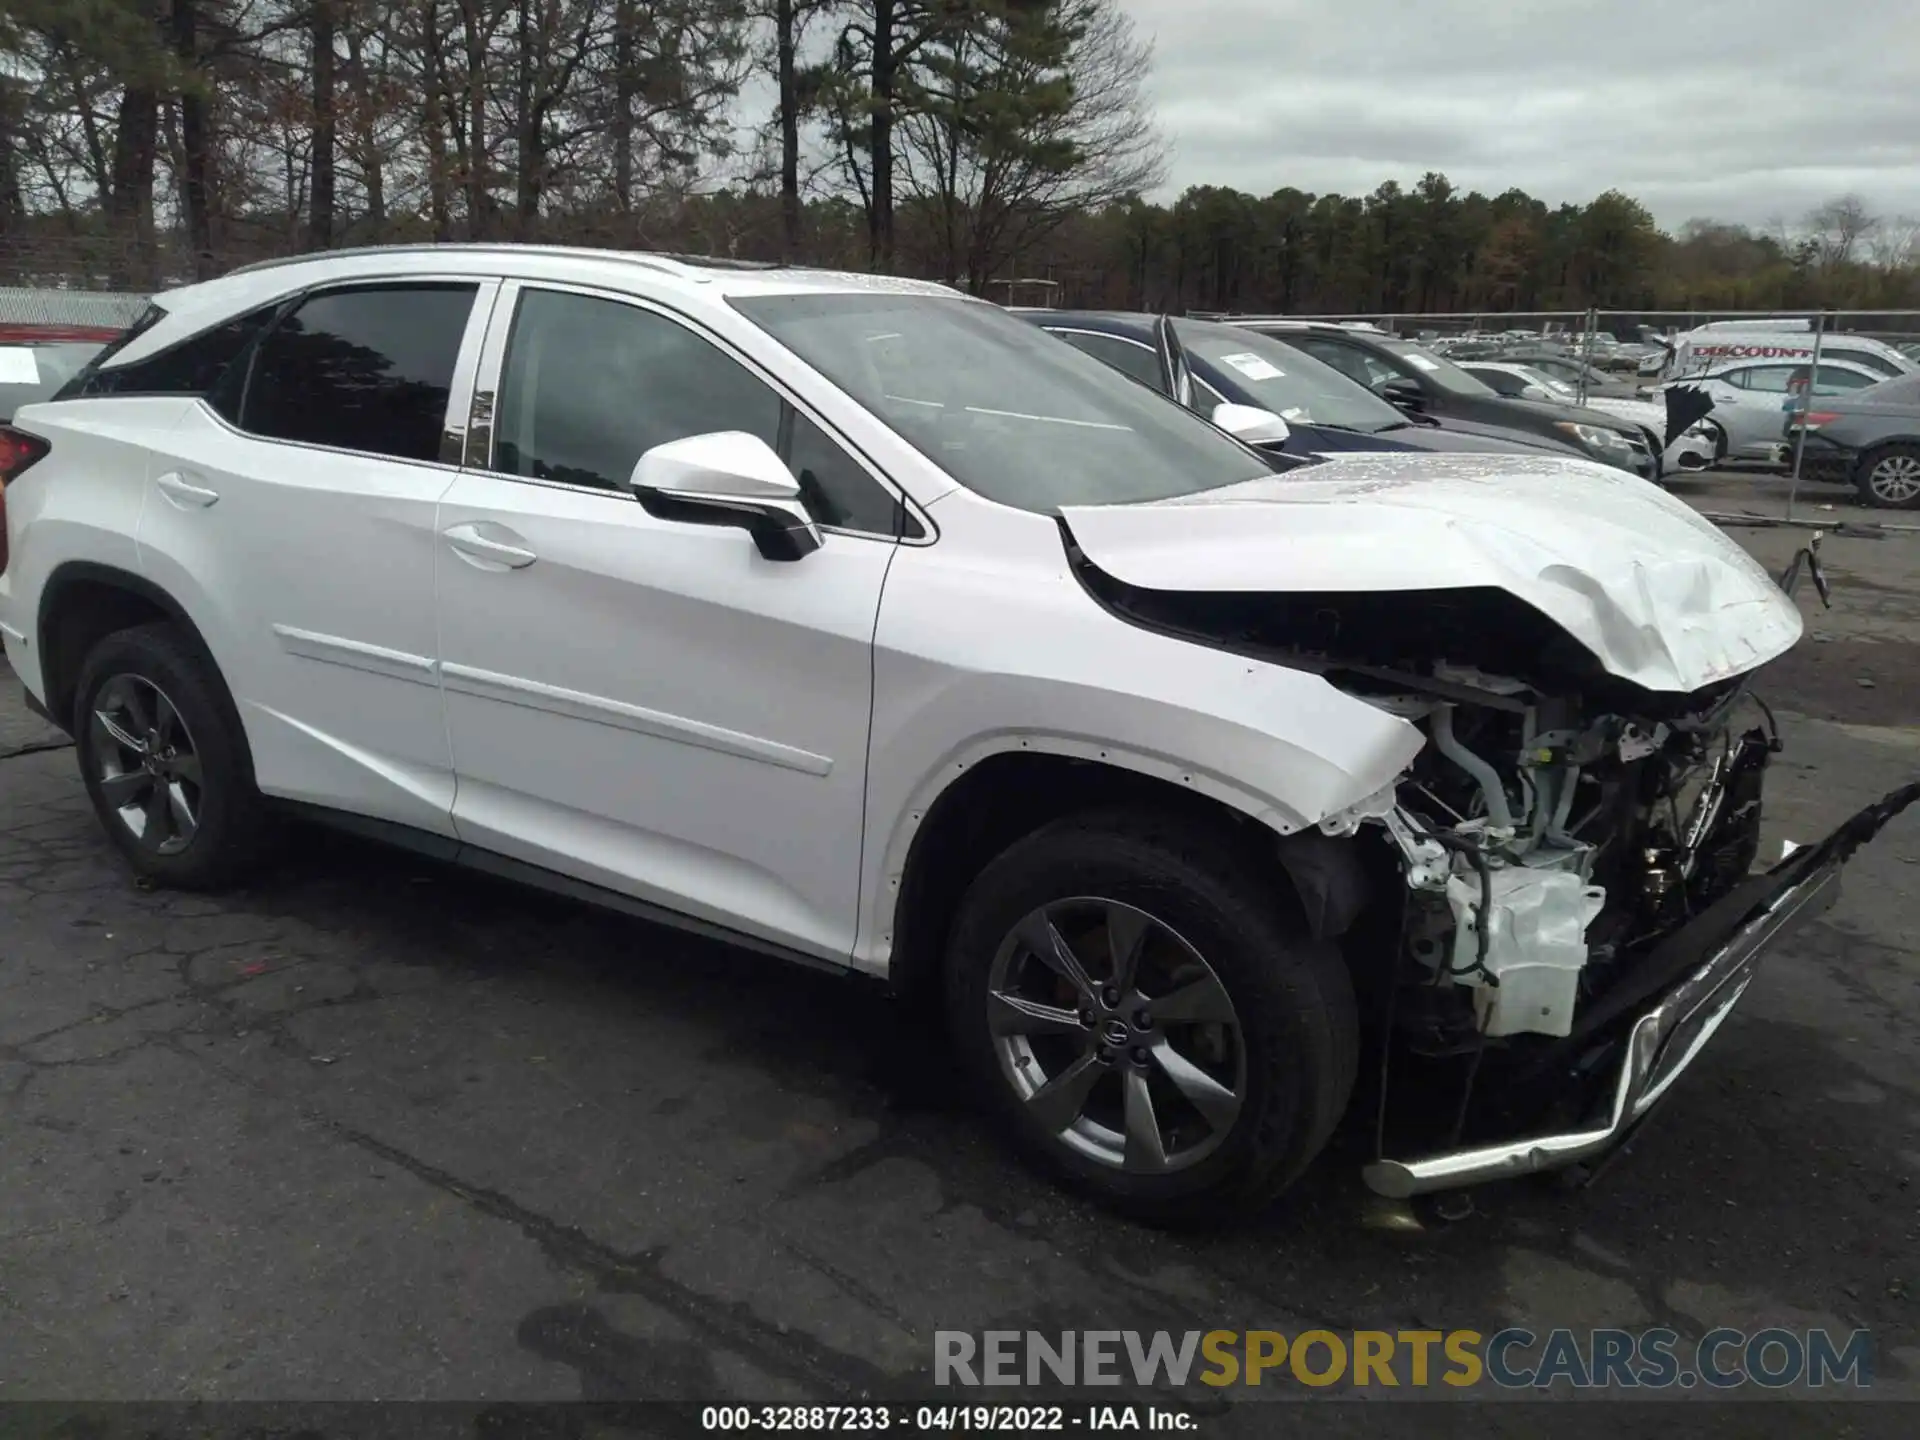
(1676, 1025)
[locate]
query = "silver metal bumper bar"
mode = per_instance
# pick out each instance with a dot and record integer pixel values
(1662, 1044)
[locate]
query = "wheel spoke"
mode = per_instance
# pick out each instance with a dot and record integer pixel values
(165, 720)
(122, 736)
(120, 791)
(1203, 1000)
(187, 768)
(159, 816)
(1212, 1099)
(1058, 1103)
(1127, 931)
(1145, 1150)
(1014, 1015)
(139, 710)
(181, 812)
(1040, 936)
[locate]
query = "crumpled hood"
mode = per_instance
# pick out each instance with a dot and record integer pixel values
(1658, 595)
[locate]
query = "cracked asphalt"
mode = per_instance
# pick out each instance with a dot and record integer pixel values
(378, 1129)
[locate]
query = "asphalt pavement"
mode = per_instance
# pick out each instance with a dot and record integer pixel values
(374, 1128)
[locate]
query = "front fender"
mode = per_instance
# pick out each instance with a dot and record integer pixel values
(968, 666)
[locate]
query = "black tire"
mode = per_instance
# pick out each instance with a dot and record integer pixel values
(1292, 997)
(1866, 472)
(231, 826)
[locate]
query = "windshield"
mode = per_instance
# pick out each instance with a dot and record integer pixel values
(31, 373)
(1006, 409)
(1442, 372)
(1289, 382)
(1551, 384)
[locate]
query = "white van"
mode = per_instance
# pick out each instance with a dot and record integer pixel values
(1733, 342)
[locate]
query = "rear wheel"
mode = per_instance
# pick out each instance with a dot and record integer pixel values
(1890, 477)
(1146, 1020)
(164, 760)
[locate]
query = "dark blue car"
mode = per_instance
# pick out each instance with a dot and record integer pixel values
(1326, 412)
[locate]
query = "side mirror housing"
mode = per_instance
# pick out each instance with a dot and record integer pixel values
(728, 477)
(1403, 392)
(1251, 424)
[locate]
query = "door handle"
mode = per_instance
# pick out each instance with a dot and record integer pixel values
(471, 545)
(183, 492)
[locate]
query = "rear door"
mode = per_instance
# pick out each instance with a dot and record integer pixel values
(292, 512)
(648, 703)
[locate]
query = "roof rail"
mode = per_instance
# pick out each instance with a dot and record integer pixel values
(665, 263)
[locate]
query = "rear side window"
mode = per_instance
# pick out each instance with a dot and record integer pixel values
(211, 364)
(365, 369)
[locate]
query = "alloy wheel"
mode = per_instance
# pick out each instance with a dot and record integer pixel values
(1117, 1036)
(1896, 479)
(146, 764)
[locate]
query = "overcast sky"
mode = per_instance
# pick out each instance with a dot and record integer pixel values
(1737, 109)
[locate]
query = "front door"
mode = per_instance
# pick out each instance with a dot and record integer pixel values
(649, 704)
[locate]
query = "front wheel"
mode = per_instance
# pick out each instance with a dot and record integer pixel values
(1146, 1019)
(1890, 477)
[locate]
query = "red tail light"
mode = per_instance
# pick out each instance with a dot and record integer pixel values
(18, 450)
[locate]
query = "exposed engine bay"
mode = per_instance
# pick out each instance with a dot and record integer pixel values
(1545, 850)
(1558, 822)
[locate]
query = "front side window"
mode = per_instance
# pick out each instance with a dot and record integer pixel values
(590, 385)
(1006, 410)
(1773, 379)
(1832, 380)
(1867, 359)
(368, 368)
(1349, 360)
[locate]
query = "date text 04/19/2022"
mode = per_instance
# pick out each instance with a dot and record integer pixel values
(944, 1419)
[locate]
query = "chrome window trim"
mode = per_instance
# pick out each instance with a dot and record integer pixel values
(486, 393)
(1099, 335)
(459, 386)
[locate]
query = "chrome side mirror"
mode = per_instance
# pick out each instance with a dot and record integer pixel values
(1251, 424)
(728, 477)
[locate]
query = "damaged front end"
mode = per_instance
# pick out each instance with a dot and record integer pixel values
(1565, 901)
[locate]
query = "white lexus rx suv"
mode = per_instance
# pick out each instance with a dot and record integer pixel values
(858, 621)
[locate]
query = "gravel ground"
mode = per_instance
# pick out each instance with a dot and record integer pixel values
(373, 1128)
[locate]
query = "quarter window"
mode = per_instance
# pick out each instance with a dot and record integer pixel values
(588, 386)
(211, 364)
(362, 369)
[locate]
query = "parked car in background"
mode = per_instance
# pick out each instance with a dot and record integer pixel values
(1420, 382)
(1326, 411)
(1695, 449)
(1750, 400)
(1867, 438)
(862, 624)
(36, 361)
(1569, 369)
(1711, 348)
